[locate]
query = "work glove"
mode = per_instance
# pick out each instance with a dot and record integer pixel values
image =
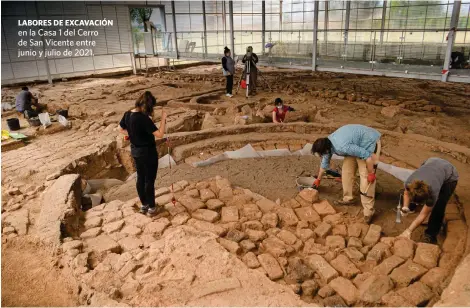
(316, 183)
(371, 178)
(406, 234)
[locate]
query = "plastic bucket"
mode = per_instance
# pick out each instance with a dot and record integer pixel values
(13, 124)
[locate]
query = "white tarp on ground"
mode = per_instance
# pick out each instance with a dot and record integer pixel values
(249, 152)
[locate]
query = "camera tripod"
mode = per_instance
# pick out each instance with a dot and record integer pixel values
(246, 72)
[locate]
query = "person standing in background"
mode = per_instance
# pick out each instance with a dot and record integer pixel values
(228, 65)
(138, 125)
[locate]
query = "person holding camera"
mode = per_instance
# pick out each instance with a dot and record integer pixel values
(228, 65)
(138, 125)
(250, 59)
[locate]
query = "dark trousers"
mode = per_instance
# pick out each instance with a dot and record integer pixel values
(439, 209)
(146, 163)
(229, 85)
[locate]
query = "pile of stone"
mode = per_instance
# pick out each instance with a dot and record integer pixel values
(324, 256)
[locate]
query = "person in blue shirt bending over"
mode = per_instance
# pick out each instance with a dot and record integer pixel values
(360, 146)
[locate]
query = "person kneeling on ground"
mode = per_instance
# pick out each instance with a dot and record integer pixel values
(280, 111)
(138, 125)
(432, 185)
(228, 66)
(25, 101)
(360, 145)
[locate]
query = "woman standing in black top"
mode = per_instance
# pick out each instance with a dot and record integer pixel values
(138, 125)
(228, 66)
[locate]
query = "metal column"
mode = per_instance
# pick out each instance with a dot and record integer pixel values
(263, 25)
(325, 32)
(232, 36)
(205, 27)
(175, 39)
(346, 28)
(382, 26)
(316, 6)
(450, 39)
(46, 60)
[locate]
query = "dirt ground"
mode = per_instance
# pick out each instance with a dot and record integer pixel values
(420, 109)
(30, 277)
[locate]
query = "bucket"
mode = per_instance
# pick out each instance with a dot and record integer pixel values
(243, 84)
(13, 124)
(63, 112)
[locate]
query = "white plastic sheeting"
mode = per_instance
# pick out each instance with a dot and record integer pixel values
(249, 152)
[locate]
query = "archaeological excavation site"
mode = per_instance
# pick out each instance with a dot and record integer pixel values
(307, 163)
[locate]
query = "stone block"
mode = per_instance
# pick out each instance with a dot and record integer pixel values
(388, 265)
(131, 243)
(417, 294)
(346, 289)
(393, 299)
(93, 222)
(333, 219)
(266, 205)
(235, 235)
(271, 266)
(253, 225)
(435, 278)
(335, 241)
(353, 254)
(354, 242)
(231, 246)
(274, 246)
(247, 245)
(407, 273)
(345, 267)
(373, 288)
(251, 260)
(214, 204)
(326, 291)
(379, 252)
(131, 230)
(113, 227)
(102, 244)
(180, 219)
(323, 230)
(323, 268)
(403, 248)
(229, 214)
(305, 234)
(251, 212)
(355, 229)
(427, 255)
(207, 226)
(90, 233)
(206, 215)
(157, 226)
(191, 204)
(324, 208)
(287, 217)
(372, 235)
(206, 194)
(292, 203)
(311, 247)
(309, 195)
(310, 287)
(255, 235)
(297, 271)
(307, 214)
(340, 230)
(270, 220)
(287, 237)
